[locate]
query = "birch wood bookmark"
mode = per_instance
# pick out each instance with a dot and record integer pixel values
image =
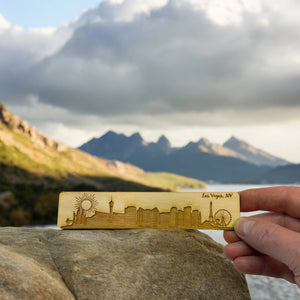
(90, 210)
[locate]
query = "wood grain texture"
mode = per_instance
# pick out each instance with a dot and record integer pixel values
(206, 210)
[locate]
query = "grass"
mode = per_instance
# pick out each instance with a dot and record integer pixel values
(35, 174)
(171, 181)
(45, 161)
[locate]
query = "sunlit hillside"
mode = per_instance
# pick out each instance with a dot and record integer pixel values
(33, 165)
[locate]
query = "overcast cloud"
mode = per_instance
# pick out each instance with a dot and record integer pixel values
(136, 62)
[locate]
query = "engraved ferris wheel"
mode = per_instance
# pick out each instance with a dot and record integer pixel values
(222, 217)
(162, 210)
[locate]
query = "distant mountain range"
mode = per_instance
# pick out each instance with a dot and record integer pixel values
(283, 175)
(234, 161)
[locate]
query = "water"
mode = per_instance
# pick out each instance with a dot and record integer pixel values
(261, 287)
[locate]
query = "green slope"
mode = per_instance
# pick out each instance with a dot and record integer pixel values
(73, 165)
(35, 169)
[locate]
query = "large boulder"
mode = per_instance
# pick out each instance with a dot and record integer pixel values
(115, 264)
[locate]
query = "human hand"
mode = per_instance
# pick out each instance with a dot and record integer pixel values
(267, 244)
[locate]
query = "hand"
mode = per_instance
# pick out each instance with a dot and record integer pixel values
(267, 244)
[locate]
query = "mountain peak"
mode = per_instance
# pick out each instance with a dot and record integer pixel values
(137, 139)
(204, 145)
(112, 137)
(252, 154)
(234, 142)
(204, 142)
(163, 141)
(233, 139)
(110, 134)
(136, 136)
(163, 144)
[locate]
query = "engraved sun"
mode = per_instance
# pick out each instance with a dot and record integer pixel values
(87, 203)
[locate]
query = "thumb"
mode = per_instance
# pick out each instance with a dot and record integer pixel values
(270, 239)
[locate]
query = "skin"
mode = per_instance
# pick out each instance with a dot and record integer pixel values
(267, 244)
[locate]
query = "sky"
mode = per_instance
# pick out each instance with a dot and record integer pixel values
(35, 13)
(183, 68)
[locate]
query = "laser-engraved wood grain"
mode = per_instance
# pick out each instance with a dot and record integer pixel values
(148, 210)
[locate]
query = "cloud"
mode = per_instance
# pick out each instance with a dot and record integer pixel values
(4, 24)
(204, 62)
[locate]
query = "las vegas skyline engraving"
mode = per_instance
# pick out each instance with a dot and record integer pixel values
(86, 213)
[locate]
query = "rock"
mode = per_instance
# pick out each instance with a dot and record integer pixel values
(18, 125)
(27, 270)
(115, 264)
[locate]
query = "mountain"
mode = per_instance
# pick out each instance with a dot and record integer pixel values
(209, 166)
(118, 146)
(23, 147)
(205, 146)
(163, 145)
(231, 162)
(252, 154)
(35, 168)
(288, 174)
(114, 145)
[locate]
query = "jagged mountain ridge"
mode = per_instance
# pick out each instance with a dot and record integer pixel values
(205, 146)
(210, 161)
(28, 155)
(119, 146)
(252, 154)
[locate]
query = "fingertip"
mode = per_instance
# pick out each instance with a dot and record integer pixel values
(230, 236)
(226, 252)
(263, 265)
(238, 249)
(242, 265)
(250, 264)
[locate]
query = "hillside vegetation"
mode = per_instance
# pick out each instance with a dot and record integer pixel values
(35, 168)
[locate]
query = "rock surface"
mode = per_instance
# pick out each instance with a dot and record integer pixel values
(18, 125)
(115, 264)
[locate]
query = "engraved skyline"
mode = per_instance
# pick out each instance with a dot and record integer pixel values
(145, 218)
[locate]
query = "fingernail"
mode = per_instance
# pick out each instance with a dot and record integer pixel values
(242, 226)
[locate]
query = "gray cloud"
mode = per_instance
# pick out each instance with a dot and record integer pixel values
(164, 61)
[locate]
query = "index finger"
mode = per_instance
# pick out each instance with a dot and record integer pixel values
(282, 199)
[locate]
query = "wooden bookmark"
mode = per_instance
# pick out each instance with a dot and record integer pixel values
(148, 210)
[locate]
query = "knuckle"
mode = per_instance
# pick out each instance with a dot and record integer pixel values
(293, 262)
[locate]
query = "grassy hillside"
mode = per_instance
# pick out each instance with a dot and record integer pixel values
(34, 169)
(75, 166)
(172, 181)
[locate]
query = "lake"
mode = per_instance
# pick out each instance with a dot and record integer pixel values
(261, 287)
